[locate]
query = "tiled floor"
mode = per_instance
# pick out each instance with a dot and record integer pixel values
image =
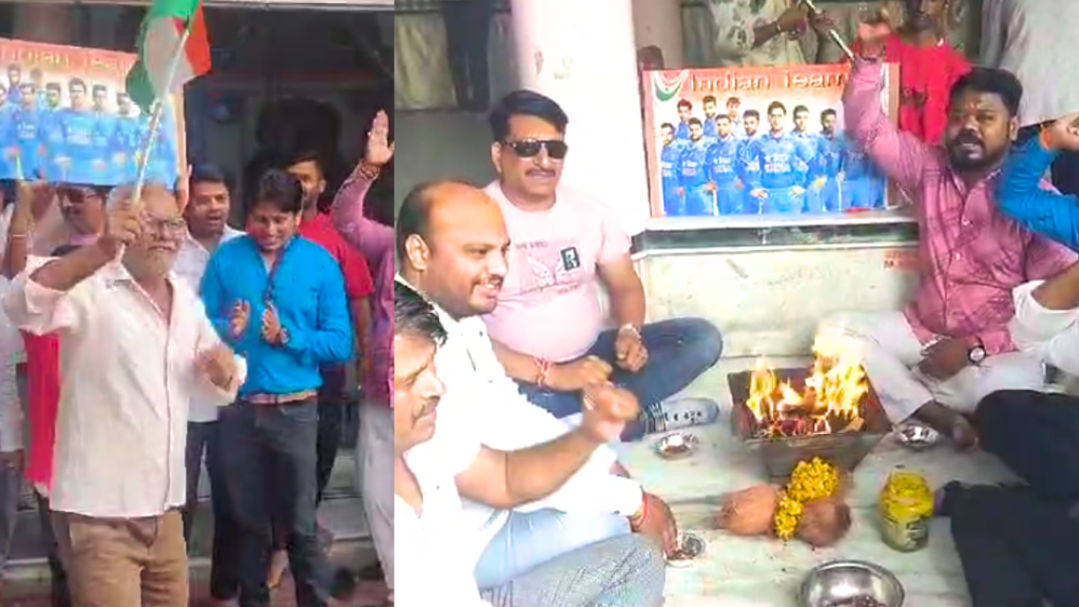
(764, 572)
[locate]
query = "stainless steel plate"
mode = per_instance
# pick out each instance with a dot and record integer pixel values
(677, 445)
(690, 547)
(916, 436)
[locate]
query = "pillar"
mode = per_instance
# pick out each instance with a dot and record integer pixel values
(582, 55)
(659, 23)
(45, 22)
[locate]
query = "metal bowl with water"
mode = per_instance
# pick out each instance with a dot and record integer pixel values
(848, 584)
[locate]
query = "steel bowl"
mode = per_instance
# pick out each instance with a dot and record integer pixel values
(918, 437)
(690, 547)
(677, 445)
(841, 583)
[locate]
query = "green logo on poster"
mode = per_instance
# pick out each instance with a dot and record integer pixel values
(668, 86)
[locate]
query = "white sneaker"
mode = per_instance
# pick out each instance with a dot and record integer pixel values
(675, 413)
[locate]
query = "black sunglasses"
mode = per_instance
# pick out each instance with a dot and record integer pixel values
(527, 148)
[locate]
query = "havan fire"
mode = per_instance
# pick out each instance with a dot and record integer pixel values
(831, 402)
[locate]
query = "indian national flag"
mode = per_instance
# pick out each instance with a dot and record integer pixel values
(162, 30)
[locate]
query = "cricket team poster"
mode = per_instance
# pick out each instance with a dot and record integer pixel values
(734, 142)
(65, 116)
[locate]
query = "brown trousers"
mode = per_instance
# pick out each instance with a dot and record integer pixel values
(138, 562)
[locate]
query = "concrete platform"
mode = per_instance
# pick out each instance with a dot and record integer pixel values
(766, 572)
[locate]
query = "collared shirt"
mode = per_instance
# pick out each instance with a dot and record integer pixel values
(375, 241)
(431, 566)
(971, 255)
(190, 265)
(735, 21)
(481, 403)
(1032, 39)
(320, 231)
(127, 381)
(306, 288)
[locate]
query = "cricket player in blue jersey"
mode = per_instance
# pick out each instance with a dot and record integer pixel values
(37, 78)
(828, 177)
(14, 79)
(749, 169)
(778, 153)
(52, 131)
(723, 168)
(8, 148)
(809, 171)
(80, 152)
(27, 130)
(673, 205)
(161, 166)
(104, 129)
(709, 122)
(863, 185)
(734, 112)
(693, 174)
(685, 112)
(125, 139)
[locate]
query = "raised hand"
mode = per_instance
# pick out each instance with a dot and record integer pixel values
(379, 148)
(123, 226)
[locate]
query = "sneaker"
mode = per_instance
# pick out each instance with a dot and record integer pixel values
(675, 413)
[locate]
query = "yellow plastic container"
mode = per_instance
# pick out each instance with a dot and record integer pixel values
(906, 506)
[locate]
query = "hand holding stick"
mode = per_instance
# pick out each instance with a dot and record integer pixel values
(817, 13)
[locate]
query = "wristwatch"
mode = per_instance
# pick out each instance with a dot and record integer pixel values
(976, 354)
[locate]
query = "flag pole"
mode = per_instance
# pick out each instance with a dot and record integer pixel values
(156, 112)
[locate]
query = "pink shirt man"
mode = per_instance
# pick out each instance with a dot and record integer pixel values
(552, 275)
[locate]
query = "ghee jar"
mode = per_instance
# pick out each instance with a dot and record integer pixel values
(906, 507)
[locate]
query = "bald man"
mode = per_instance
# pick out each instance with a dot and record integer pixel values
(137, 347)
(452, 244)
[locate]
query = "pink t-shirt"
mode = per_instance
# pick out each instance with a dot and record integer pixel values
(550, 307)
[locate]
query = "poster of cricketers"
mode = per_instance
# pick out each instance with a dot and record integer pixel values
(738, 142)
(65, 117)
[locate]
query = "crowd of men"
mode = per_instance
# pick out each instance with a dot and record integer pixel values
(87, 141)
(721, 164)
(156, 334)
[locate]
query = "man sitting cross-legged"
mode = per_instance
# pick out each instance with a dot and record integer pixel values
(548, 327)
(951, 346)
(436, 463)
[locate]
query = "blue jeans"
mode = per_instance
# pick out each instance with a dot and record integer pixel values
(679, 350)
(529, 539)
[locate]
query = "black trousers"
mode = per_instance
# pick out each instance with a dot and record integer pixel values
(1018, 545)
(60, 596)
(224, 564)
(331, 415)
(468, 27)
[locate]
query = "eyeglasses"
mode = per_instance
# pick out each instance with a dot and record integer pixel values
(170, 225)
(528, 148)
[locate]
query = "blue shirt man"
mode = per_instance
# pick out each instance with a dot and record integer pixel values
(692, 172)
(161, 165)
(723, 166)
(862, 186)
(668, 169)
(1021, 195)
(7, 138)
(827, 175)
(709, 122)
(685, 112)
(26, 126)
(749, 168)
(778, 153)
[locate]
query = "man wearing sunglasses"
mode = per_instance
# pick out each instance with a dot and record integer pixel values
(548, 326)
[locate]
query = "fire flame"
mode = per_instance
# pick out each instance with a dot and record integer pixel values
(833, 397)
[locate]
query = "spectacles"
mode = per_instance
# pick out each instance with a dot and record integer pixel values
(170, 225)
(528, 148)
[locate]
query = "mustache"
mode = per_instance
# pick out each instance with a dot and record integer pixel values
(540, 172)
(428, 407)
(965, 137)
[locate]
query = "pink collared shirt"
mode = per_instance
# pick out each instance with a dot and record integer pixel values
(971, 256)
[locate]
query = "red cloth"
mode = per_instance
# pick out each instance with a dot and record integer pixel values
(353, 266)
(43, 400)
(926, 76)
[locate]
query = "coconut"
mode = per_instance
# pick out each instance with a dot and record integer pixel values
(749, 511)
(824, 522)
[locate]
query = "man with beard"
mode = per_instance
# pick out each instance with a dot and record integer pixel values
(928, 67)
(78, 123)
(685, 112)
(52, 129)
(751, 170)
(118, 472)
(673, 202)
(722, 168)
(832, 151)
(709, 122)
(14, 79)
(549, 329)
(692, 175)
(806, 169)
(206, 215)
(951, 346)
(779, 155)
(453, 244)
(435, 464)
(280, 300)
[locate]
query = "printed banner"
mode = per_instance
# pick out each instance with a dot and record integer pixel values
(737, 142)
(65, 117)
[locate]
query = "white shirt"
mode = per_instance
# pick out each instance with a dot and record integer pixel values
(1032, 39)
(190, 265)
(11, 416)
(126, 378)
(429, 568)
(482, 404)
(1051, 334)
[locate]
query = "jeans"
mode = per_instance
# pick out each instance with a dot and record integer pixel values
(529, 539)
(270, 475)
(331, 414)
(468, 27)
(10, 489)
(679, 350)
(1037, 436)
(625, 571)
(224, 573)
